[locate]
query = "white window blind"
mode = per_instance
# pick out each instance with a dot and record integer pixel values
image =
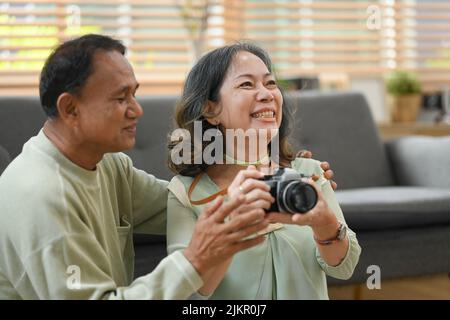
(316, 36)
(423, 41)
(355, 37)
(304, 37)
(159, 35)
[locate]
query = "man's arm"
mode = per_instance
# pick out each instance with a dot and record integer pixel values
(148, 196)
(75, 266)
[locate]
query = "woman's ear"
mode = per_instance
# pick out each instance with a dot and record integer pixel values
(67, 107)
(213, 121)
(210, 115)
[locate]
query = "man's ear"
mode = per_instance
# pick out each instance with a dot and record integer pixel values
(210, 114)
(67, 107)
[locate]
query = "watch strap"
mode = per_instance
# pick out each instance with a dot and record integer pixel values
(332, 240)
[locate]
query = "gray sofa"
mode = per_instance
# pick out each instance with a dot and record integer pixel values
(395, 195)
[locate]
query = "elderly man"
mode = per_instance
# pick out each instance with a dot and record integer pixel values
(70, 201)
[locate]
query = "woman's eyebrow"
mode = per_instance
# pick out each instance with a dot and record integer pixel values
(249, 75)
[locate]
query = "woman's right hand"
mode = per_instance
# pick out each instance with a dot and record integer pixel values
(216, 239)
(256, 192)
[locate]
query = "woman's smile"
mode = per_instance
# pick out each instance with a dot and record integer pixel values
(266, 115)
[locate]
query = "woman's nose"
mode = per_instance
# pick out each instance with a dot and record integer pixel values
(264, 94)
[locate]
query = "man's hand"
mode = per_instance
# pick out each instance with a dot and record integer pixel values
(215, 241)
(328, 173)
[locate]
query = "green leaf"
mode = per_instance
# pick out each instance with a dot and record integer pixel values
(402, 83)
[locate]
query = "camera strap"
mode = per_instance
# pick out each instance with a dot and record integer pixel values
(194, 183)
(270, 228)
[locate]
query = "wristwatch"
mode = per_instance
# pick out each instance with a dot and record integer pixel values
(341, 234)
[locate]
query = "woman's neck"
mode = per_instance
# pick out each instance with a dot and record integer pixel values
(223, 174)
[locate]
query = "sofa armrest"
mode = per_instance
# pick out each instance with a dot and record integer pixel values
(420, 160)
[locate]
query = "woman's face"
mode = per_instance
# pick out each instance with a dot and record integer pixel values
(249, 97)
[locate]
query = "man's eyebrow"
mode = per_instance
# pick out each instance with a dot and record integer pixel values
(125, 88)
(249, 75)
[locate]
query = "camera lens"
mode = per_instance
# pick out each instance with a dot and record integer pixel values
(299, 197)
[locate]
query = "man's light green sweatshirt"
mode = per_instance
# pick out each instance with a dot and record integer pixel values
(66, 232)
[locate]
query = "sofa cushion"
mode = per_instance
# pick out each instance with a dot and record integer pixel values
(4, 159)
(339, 128)
(421, 161)
(394, 207)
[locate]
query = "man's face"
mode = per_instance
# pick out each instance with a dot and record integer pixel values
(106, 106)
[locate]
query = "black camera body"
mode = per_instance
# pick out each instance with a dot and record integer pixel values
(291, 194)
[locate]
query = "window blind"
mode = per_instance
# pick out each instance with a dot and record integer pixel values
(165, 37)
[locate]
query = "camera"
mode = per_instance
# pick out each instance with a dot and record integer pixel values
(291, 194)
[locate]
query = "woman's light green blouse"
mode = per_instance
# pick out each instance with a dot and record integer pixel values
(287, 265)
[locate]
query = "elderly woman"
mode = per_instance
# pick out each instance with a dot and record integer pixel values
(233, 88)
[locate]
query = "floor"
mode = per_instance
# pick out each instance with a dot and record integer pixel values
(435, 287)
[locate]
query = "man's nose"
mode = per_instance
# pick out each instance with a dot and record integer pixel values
(135, 110)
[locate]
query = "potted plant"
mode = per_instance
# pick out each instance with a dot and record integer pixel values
(405, 96)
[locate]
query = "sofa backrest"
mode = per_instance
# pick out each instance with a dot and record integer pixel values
(422, 161)
(349, 141)
(338, 127)
(20, 119)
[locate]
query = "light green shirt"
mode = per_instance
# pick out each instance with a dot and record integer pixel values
(287, 265)
(66, 232)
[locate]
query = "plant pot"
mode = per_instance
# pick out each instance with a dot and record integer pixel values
(405, 108)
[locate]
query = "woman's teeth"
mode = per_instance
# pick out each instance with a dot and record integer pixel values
(265, 114)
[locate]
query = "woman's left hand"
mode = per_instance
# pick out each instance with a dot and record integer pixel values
(320, 218)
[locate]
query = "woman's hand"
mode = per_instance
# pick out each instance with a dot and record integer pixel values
(324, 224)
(320, 218)
(328, 173)
(256, 192)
